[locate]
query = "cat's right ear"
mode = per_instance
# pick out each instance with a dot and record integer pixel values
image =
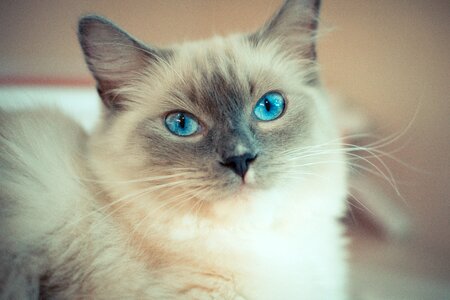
(113, 56)
(293, 27)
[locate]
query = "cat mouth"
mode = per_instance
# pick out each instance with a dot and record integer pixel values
(249, 179)
(248, 185)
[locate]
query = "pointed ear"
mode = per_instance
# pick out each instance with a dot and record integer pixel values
(294, 26)
(112, 55)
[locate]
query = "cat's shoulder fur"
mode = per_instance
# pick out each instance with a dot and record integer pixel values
(39, 189)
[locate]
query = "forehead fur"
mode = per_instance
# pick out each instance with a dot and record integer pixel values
(225, 72)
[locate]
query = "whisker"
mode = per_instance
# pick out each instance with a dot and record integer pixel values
(135, 195)
(137, 180)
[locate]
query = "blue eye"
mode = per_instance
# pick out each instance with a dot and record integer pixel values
(269, 107)
(182, 124)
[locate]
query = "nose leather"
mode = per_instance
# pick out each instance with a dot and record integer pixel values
(239, 164)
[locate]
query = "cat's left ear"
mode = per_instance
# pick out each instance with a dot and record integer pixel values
(294, 27)
(113, 56)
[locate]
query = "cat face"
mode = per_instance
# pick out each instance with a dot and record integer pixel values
(211, 121)
(220, 95)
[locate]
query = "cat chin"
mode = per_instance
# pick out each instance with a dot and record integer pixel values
(249, 205)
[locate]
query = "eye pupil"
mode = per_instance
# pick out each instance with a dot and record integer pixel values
(267, 104)
(182, 121)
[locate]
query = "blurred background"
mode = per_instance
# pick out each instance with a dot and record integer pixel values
(389, 61)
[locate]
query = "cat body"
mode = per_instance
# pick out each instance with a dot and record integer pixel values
(242, 207)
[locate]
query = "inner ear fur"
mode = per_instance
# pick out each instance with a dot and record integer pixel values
(113, 56)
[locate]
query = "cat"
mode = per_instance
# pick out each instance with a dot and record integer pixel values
(216, 172)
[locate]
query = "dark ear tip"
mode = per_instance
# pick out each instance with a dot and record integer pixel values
(86, 22)
(314, 4)
(317, 4)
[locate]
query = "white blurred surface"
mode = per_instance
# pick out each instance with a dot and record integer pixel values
(81, 103)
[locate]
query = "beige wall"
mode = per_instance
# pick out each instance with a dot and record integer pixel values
(392, 57)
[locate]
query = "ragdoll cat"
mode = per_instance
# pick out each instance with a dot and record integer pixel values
(215, 173)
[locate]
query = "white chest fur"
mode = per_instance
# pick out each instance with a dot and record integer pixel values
(307, 264)
(301, 262)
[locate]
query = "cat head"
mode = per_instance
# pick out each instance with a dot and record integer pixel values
(225, 120)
